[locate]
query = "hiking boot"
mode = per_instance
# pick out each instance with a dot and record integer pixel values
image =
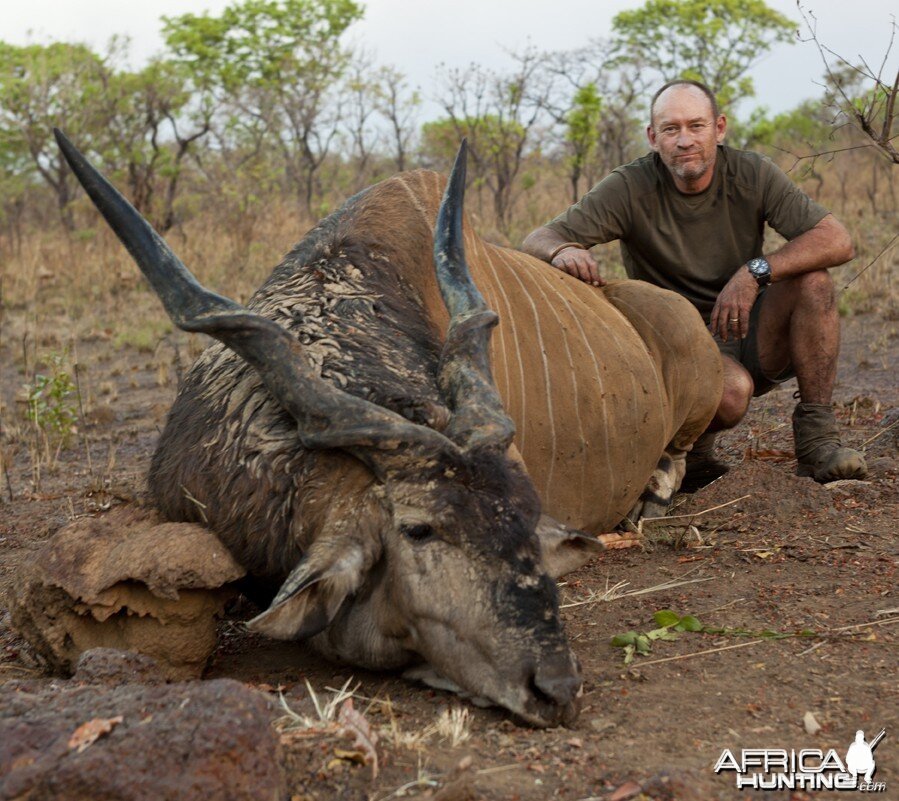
(702, 466)
(819, 451)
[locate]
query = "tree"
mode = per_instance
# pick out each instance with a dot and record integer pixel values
(146, 137)
(46, 86)
(274, 61)
(582, 133)
(399, 105)
(497, 113)
(714, 41)
(606, 90)
(360, 96)
(15, 176)
(868, 99)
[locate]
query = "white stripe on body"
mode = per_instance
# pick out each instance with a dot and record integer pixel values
(546, 378)
(540, 280)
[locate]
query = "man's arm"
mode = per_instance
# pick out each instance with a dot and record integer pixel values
(826, 245)
(547, 245)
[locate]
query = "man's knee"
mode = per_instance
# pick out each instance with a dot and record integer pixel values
(738, 389)
(815, 290)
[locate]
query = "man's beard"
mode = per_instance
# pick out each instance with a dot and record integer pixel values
(689, 170)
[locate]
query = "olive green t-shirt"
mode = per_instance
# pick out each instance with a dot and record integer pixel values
(691, 244)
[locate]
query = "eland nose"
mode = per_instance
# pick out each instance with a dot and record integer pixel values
(559, 679)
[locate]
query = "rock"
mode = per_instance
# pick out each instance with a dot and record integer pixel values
(126, 580)
(111, 667)
(209, 741)
(602, 724)
(810, 723)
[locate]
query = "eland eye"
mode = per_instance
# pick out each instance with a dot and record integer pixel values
(420, 532)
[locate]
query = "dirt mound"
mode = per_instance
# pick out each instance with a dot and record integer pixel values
(128, 581)
(763, 488)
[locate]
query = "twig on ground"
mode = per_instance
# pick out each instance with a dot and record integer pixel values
(596, 596)
(612, 594)
(423, 779)
(719, 608)
(815, 647)
(497, 769)
(697, 514)
(880, 433)
(828, 637)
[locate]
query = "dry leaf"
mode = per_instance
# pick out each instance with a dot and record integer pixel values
(365, 740)
(626, 791)
(88, 733)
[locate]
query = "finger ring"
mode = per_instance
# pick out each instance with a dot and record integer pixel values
(734, 319)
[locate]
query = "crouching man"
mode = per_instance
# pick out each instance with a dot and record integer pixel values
(690, 218)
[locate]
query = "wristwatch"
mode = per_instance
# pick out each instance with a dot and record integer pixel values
(760, 270)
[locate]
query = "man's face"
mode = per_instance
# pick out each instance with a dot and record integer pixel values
(685, 135)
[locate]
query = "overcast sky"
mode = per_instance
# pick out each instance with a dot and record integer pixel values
(416, 36)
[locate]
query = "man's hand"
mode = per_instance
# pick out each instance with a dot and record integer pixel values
(730, 317)
(580, 264)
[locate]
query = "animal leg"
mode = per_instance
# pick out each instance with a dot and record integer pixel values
(663, 483)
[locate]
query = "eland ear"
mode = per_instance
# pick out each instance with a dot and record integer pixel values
(564, 549)
(332, 570)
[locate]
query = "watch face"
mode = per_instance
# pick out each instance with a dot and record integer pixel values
(760, 269)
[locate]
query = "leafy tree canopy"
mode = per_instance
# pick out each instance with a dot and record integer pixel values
(714, 41)
(489, 134)
(262, 42)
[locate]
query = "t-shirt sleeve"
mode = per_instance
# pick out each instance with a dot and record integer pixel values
(602, 215)
(788, 210)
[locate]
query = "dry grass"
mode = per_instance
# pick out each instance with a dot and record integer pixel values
(326, 709)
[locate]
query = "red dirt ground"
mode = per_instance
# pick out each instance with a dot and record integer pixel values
(779, 553)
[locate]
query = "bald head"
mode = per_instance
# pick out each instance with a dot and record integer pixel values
(684, 88)
(685, 130)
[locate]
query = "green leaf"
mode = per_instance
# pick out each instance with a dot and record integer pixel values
(623, 640)
(661, 634)
(689, 623)
(665, 617)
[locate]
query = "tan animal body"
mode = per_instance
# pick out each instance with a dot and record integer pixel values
(347, 443)
(603, 384)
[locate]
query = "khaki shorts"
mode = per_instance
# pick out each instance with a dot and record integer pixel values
(746, 352)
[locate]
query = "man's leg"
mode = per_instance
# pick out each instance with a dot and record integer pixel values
(738, 390)
(701, 466)
(799, 325)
